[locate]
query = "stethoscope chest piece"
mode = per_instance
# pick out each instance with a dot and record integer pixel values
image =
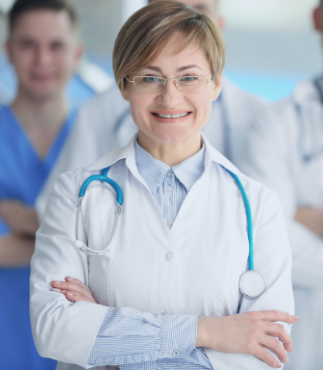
(252, 284)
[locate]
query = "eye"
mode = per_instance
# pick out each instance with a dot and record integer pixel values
(189, 79)
(150, 79)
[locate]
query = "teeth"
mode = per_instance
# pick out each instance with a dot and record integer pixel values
(171, 115)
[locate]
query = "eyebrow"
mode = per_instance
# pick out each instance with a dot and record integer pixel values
(157, 69)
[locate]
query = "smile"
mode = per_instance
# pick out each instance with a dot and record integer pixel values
(171, 115)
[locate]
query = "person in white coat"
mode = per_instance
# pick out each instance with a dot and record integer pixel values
(165, 278)
(109, 117)
(284, 151)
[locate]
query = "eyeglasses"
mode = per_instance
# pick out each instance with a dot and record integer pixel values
(185, 84)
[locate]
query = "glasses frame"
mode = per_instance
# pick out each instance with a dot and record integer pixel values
(164, 80)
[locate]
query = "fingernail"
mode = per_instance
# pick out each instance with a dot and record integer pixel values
(56, 290)
(295, 318)
(287, 361)
(69, 278)
(278, 364)
(69, 294)
(56, 282)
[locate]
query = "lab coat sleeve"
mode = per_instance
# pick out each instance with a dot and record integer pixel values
(267, 159)
(62, 330)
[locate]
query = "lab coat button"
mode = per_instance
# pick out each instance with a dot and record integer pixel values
(169, 256)
(176, 352)
(169, 189)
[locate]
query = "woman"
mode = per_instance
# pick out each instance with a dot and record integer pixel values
(152, 292)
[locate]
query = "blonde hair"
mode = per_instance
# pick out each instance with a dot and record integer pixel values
(145, 34)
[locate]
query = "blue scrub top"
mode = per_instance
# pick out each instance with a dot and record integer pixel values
(22, 176)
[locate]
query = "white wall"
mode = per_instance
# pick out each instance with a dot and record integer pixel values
(269, 14)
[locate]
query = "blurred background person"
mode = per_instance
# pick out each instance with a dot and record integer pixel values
(44, 50)
(112, 125)
(284, 151)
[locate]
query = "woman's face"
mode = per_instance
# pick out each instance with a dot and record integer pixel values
(193, 107)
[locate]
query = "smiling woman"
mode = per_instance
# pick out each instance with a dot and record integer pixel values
(159, 283)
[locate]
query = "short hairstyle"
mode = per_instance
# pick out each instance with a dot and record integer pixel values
(146, 33)
(23, 6)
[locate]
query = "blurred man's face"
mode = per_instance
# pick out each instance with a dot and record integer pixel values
(44, 50)
(207, 6)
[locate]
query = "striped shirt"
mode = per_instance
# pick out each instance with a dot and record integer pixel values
(144, 341)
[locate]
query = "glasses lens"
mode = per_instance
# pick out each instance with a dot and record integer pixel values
(191, 83)
(148, 83)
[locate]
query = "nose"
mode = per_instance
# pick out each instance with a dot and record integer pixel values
(43, 56)
(170, 96)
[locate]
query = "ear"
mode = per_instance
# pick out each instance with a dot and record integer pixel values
(125, 93)
(220, 22)
(318, 19)
(79, 52)
(217, 87)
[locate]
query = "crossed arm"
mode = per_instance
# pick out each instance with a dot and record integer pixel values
(241, 333)
(17, 247)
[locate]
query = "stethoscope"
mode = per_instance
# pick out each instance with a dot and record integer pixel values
(251, 283)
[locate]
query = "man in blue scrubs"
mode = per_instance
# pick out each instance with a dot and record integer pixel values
(44, 50)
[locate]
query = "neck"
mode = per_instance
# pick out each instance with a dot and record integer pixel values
(42, 119)
(46, 115)
(170, 153)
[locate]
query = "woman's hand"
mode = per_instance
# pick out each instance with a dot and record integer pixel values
(74, 290)
(248, 333)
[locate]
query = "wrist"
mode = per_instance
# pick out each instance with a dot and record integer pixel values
(31, 222)
(202, 339)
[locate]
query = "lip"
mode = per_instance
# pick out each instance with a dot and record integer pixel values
(43, 77)
(171, 112)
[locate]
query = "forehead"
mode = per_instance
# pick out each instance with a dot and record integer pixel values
(43, 24)
(171, 56)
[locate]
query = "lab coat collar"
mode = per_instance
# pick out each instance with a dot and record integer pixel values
(128, 153)
(213, 155)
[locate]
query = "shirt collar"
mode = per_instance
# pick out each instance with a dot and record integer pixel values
(154, 171)
(128, 153)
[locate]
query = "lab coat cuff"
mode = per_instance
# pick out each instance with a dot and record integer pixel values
(178, 336)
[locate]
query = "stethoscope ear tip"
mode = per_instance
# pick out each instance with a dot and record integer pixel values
(252, 284)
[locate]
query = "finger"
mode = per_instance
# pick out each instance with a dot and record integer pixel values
(266, 357)
(273, 315)
(72, 297)
(278, 330)
(67, 286)
(75, 281)
(276, 346)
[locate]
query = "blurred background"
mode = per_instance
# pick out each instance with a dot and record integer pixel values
(271, 45)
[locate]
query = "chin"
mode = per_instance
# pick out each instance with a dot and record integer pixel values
(42, 94)
(174, 135)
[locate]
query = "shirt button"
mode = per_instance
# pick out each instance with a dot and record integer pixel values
(169, 256)
(176, 352)
(169, 189)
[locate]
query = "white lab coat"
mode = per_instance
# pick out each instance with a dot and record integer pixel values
(105, 123)
(284, 151)
(208, 242)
